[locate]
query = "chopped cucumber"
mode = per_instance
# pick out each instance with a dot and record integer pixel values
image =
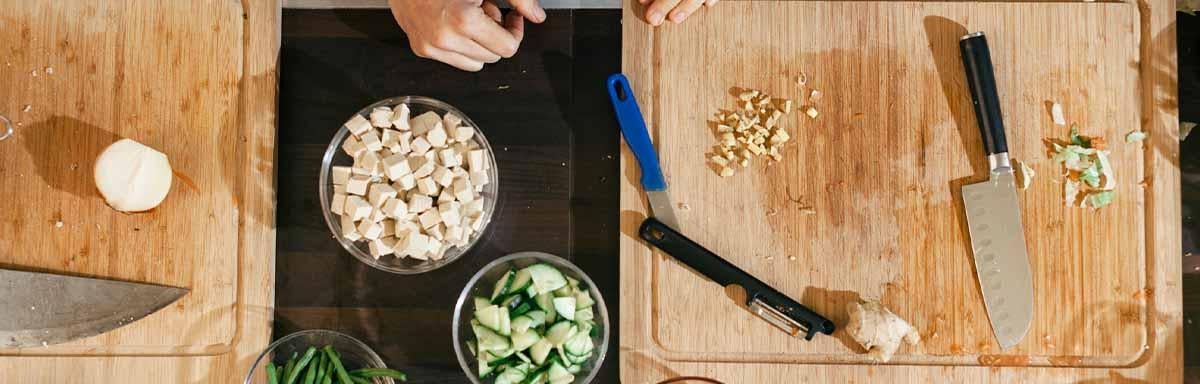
(583, 299)
(540, 350)
(521, 355)
(584, 315)
(585, 327)
(538, 378)
(560, 375)
(471, 347)
(523, 340)
(489, 316)
(523, 308)
(546, 302)
(521, 282)
(499, 357)
(505, 322)
(484, 368)
(546, 278)
(560, 332)
(579, 344)
(502, 285)
(572, 282)
(565, 291)
(565, 306)
(481, 302)
(538, 318)
(575, 368)
(521, 324)
(489, 340)
(511, 302)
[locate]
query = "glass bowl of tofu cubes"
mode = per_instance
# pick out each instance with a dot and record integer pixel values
(408, 184)
(530, 317)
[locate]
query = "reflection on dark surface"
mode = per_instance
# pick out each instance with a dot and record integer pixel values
(546, 115)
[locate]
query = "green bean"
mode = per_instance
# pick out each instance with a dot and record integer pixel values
(312, 369)
(294, 372)
(337, 366)
(272, 377)
(379, 372)
(359, 380)
(287, 368)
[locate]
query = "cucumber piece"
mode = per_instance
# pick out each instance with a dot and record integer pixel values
(484, 368)
(489, 316)
(546, 278)
(523, 308)
(538, 378)
(505, 378)
(565, 306)
(585, 326)
(489, 340)
(501, 357)
(481, 302)
(579, 344)
(521, 282)
(560, 332)
(520, 341)
(538, 318)
(584, 315)
(471, 347)
(505, 322)
(521, 324)
(531, 291)
(565, 291)
(573, 283)
(521, 355)
(539, 351)
(545, 301)
(510, 301)
(575, 368)
(502, 285)
(559, 374)
(583, 299)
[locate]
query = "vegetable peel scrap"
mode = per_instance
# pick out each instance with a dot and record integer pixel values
(1027, 175)
(1087, 170)
(1135, 136)
(1056, 113)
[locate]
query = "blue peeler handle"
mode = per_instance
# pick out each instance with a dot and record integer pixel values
(633, 128)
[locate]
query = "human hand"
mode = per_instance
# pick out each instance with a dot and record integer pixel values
(675, 10)
(464, 33)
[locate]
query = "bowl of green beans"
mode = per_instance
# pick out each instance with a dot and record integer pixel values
(319, 356)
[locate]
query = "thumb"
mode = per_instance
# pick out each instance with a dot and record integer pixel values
(530, 9)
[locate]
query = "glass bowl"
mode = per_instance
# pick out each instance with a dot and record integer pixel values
(353, 353)
(481, 285)
(334, 155)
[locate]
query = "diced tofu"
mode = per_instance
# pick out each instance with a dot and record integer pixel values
(433, 247)
(459, 173)
(443, 176)
(415, 245)
(439, 254)
(424, 122)
(395, 208)
(479, 178)
(449, 157)
(429, 218)
(377, 215)
(446, 196)
(371, 140)
(400, 116)
(450, 121)
(395, 166)
(418, 203)
(474, 208)
(450, 214)
(437, 136)
(454, 234)
(420, 146)
(339, 174)
(380, 247)
(437, 231)
(358, 125)
(357, 185)
(389, 228)
(420, 166)
(353, 147)
(357, 208)
(380, 193)
(477, 224)
(369, 229)
(339, 189)
(477, 160)
(349, 231)
(338, 204)
(360, 171)
(463, 190)
(463, 134)
(390, 139)
(427, 186)
(381, 117)
(367, 161)
(403, 143)
(405, 183)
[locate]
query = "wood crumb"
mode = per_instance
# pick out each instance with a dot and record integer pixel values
(27, 108)
(684, 207)
(772, 212)
(792, 258)
(58, 224)
(814, 95)
(503, 87)
(49, 70)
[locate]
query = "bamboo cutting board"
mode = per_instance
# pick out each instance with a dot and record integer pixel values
(882, 166)
(76, 77)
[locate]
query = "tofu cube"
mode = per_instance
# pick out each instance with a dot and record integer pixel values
(436, 232)
(390, 138)
(353, 147)
(479, 178)
(454, 235)
(420, 146)
(474, 208)
(348, 229)
(377, 215)
(381, 117)
(403, 143)
(443, 176)
(405, 183)
(449, 157)
(420, 166)
(357, 185)
(395, 207)
(415, 244)
(463, 190)
(400, 115)
(460, 173)
(437, 136)
(380, 193)
(389, 228)
(450, 214)
(463, 134)
(477, 224)
(357, 208)
(427, 186)
(445, 197)
(371, 140)
(424, 122)
(339, 174)
(358, 125)
(380, 247)
(439, 254)
(418, 203)
(370, 230)
(433, 247)
(338, 204)
(429, 218)
(339, 189)
(367, 161)
(450, 120)
(395, 166)
(477, 160)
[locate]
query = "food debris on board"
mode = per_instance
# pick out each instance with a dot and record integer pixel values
(754, 130)
(1027, 174)
(1135, 136)
(877, 329)
(414, 189)
(1089, 176)
(1056, 113)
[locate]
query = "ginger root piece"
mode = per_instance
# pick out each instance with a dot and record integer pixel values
(879, 330)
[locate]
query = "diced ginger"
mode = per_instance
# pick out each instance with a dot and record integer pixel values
(811, 112)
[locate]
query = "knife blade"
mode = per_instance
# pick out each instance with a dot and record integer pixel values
(633, 128)
(993, 211)
(40, 309)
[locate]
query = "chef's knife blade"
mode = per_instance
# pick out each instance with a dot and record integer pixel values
(766, 302)
(633, 128)
(39, 309)
(992, 210)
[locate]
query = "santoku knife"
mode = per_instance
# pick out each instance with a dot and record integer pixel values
(993, 213)
(40, 309)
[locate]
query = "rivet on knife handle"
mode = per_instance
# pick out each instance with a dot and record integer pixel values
(766, 302)
(633, 128)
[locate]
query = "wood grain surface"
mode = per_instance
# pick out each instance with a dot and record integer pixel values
(195, 80)
(882, 165)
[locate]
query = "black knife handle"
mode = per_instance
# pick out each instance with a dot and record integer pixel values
(977, 59)
(725, 273)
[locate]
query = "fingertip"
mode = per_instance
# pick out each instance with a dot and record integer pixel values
(678, 16)
(655, 17)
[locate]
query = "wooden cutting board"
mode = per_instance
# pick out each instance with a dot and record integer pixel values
(77, 76)
(881, 166)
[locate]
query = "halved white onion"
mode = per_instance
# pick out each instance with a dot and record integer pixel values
(132, 177)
